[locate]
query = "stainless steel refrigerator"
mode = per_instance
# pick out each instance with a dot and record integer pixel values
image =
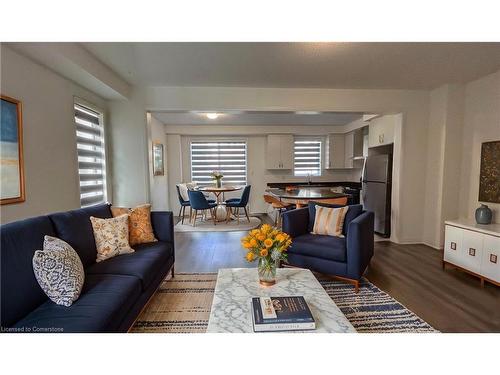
(376, 191)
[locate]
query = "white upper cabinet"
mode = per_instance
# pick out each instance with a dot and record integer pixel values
(344, 151)
(335, 152)
(279, 151)
(382, 130)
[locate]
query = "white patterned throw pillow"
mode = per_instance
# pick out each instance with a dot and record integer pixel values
(59, 271)
(111, 236)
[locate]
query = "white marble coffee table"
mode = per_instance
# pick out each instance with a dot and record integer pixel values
(231, 311)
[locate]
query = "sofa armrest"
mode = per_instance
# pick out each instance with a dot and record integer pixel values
(360, 241)
(295, 222)
(163, 225)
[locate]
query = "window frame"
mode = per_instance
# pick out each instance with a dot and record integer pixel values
(77, 101)
(321, 140)
(192, 140)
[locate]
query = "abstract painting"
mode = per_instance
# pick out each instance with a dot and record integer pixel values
(11, 151)
(158, 168)
(489, 179)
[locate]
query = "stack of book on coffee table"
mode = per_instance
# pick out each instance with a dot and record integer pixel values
(273, 314)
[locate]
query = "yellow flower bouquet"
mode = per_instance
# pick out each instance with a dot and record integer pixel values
(268, 245)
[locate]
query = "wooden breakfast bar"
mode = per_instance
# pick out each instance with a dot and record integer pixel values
(302, 195)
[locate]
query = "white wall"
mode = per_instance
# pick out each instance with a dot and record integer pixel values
(50, 159)
(481, 124)
(158, 184)
(435, 158)
(129, 144)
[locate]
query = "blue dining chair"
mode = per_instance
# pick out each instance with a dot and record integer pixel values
(199, 203)
(238, 203)
(184, 203)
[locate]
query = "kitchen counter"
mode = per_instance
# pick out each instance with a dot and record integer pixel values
(282, 185)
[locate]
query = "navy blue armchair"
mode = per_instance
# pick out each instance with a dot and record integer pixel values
(238, 203)
(345, 258)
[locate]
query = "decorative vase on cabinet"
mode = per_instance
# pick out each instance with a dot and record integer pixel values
(483, 214)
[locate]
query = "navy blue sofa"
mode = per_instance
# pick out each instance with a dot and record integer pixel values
(115, 290)
(345, 258)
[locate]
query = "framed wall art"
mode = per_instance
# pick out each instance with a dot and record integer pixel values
(489, 186)
(158, 165)
(11, 151)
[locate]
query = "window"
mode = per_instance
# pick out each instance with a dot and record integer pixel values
(228, 157)
(307, 157)
(91, 155)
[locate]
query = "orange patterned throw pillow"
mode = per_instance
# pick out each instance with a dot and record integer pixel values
(139, 224)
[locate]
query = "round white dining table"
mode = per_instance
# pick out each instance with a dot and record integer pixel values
(219, 196)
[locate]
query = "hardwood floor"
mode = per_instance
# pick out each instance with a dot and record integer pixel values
(450, 300)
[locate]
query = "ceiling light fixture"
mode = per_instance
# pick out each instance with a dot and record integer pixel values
(212, 115)
(307, 113)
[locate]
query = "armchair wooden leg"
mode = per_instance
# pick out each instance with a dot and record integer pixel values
(183, 208)
(356, 287)
(246, 213)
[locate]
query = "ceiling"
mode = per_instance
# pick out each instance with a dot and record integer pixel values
(257, 118)
(301, 65)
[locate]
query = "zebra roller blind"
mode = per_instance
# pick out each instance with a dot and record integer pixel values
(228, 157)
(307, 157)
(91, 156)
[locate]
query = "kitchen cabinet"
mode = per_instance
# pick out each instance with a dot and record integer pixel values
(382, 130)
(279, 151)
(335, 152)
(353, 149)
(344, 151)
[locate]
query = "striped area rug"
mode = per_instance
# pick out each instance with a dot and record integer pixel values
(372, 310)
(182, 305)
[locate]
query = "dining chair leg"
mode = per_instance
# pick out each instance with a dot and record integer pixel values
(180, 211)
(214, 215)
(195, 217)
(246, 213)
(238, 214)
(183, 209)
(229, 212)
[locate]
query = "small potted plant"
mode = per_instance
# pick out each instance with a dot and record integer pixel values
(217, 176)
(268, 245)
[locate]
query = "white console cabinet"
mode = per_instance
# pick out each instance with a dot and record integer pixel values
(473, 248)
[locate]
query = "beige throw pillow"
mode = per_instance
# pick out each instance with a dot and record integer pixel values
(111, 236)
(329, 221)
